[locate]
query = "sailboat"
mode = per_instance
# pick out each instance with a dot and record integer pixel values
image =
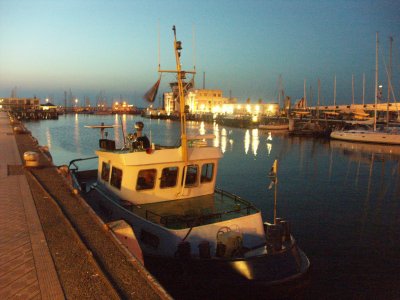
(388, 135)
(168, 195)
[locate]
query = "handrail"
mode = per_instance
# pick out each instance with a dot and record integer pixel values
(190, 221)
(72, 162)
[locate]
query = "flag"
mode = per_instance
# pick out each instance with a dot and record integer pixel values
(273, 174)
(186, 87)
(152, 92)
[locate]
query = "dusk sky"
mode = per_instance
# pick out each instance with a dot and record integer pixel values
(48, 47)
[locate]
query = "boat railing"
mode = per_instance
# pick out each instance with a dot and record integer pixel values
(74, 167)
(239, 200)
(241, 207)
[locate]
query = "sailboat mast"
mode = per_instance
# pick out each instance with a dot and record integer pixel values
(180, 74)
(389, 79)
(376, 78)
(363, 89)
(334, 93)
(352, 88)
(319, 94)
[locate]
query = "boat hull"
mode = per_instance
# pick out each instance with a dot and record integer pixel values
(280, 275)
(274, 127)
(366, 136)
(260, 266)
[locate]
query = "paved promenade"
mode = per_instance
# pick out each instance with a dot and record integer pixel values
(26, 266)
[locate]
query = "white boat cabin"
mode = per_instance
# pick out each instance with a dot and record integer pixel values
(160, 174)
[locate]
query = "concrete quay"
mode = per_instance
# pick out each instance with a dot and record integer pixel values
(52, 245)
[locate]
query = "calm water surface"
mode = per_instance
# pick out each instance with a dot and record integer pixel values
(342, 199)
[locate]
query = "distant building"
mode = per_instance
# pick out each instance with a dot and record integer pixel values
(212, 101)
(48, 106)
(19, 103)
(199, 101)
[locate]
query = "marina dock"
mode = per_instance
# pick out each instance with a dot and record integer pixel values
(52, 246)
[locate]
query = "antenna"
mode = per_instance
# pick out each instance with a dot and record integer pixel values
(194, 47)
(159, 45)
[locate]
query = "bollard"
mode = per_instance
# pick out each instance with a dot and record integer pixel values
(274, 237)
(204, 249)
(31, 159)
(286, 230)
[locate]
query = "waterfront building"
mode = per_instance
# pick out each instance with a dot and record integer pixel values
(15, 103)
(212, 101)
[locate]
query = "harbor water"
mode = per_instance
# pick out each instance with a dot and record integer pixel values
(342, 199)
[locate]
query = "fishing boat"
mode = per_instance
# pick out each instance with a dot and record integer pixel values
(168, 196)
(385, 135)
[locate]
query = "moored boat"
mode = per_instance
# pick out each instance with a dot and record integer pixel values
(389, 135)
(168, 195)
(384, 135)
(274, 124)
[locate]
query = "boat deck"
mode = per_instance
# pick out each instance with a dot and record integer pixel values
(183, 213)
(197, 211)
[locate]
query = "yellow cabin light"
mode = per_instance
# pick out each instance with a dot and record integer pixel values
(248, 108)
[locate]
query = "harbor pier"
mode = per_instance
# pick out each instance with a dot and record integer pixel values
(52, 245)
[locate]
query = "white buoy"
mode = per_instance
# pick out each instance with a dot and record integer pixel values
(31, 159)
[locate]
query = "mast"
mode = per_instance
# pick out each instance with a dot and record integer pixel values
(181, 94)
(180, 74)
(352, 88)
(305, 96)
(363, 99)
(389, 79)
(279, 91)
(376, 78)
(334, 93)
(319, 94)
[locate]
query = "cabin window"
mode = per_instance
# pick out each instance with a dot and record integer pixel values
(146, 179)
(168, 177)
(207, 172)
(105, 171)
(191, 175)
(116, 177)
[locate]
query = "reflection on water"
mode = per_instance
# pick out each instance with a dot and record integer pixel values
(343, 199)
(48, 138)
(76, 133)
